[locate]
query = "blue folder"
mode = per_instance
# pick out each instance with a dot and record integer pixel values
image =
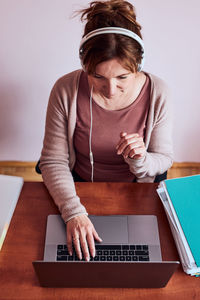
(184, 193)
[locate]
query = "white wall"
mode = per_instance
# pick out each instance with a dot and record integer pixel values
(39, 42)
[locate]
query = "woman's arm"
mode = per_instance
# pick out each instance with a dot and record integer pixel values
(158, 154)
(55, 166)
(54, 162)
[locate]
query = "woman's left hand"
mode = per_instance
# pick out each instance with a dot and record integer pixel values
(131, 145)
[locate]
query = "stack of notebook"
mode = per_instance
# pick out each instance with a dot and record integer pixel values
(181, 201)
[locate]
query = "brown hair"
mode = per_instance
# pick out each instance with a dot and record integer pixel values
(111, 13)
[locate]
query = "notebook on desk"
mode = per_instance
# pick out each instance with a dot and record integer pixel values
(129, 256)
(10, 188)
(180, 198)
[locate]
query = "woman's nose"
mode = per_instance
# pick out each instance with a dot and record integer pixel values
(110, 88)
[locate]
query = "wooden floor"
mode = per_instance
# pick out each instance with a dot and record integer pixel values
(27, 170)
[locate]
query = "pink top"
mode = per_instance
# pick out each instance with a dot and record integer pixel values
(107, 125)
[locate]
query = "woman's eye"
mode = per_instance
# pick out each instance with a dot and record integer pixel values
(122, 77)
(97, 76)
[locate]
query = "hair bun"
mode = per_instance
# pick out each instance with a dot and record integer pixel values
(117, 13)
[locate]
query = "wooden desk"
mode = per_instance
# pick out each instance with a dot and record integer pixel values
(25, 242)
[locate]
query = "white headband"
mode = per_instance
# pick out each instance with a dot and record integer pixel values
(117, 30)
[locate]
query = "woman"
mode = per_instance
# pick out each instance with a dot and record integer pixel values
(107, 122)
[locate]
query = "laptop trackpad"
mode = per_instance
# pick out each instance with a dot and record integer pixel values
(112, 229)
(143, 230)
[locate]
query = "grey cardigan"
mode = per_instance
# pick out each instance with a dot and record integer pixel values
(58, 154)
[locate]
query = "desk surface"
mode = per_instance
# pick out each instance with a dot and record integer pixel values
(25, 242)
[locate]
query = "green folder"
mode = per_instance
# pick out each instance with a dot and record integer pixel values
(184, 193)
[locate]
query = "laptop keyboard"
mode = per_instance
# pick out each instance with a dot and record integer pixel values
(109, 253)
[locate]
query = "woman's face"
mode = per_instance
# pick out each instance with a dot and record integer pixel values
(111, 79)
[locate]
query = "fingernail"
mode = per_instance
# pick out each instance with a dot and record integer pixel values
(93, 253)
(123, 134)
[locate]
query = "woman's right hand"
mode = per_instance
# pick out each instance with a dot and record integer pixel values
(81, 233)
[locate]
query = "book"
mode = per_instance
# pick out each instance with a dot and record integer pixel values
(181, 201)
(10, 187)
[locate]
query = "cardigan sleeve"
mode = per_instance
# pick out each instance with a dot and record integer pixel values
(54, 161)
(158, 138)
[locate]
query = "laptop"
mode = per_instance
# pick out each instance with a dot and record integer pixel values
(10, 187)
(129, 256)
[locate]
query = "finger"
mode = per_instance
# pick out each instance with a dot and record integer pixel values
(84, 247)
(125, 134)
(91, 244)
(131, 135)
(125, 138)
(96, 236)
(122, 134)
(138, 156)
(77, 247)
(137, 153)
(133, 147)
(129, 144)
(69, 243)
